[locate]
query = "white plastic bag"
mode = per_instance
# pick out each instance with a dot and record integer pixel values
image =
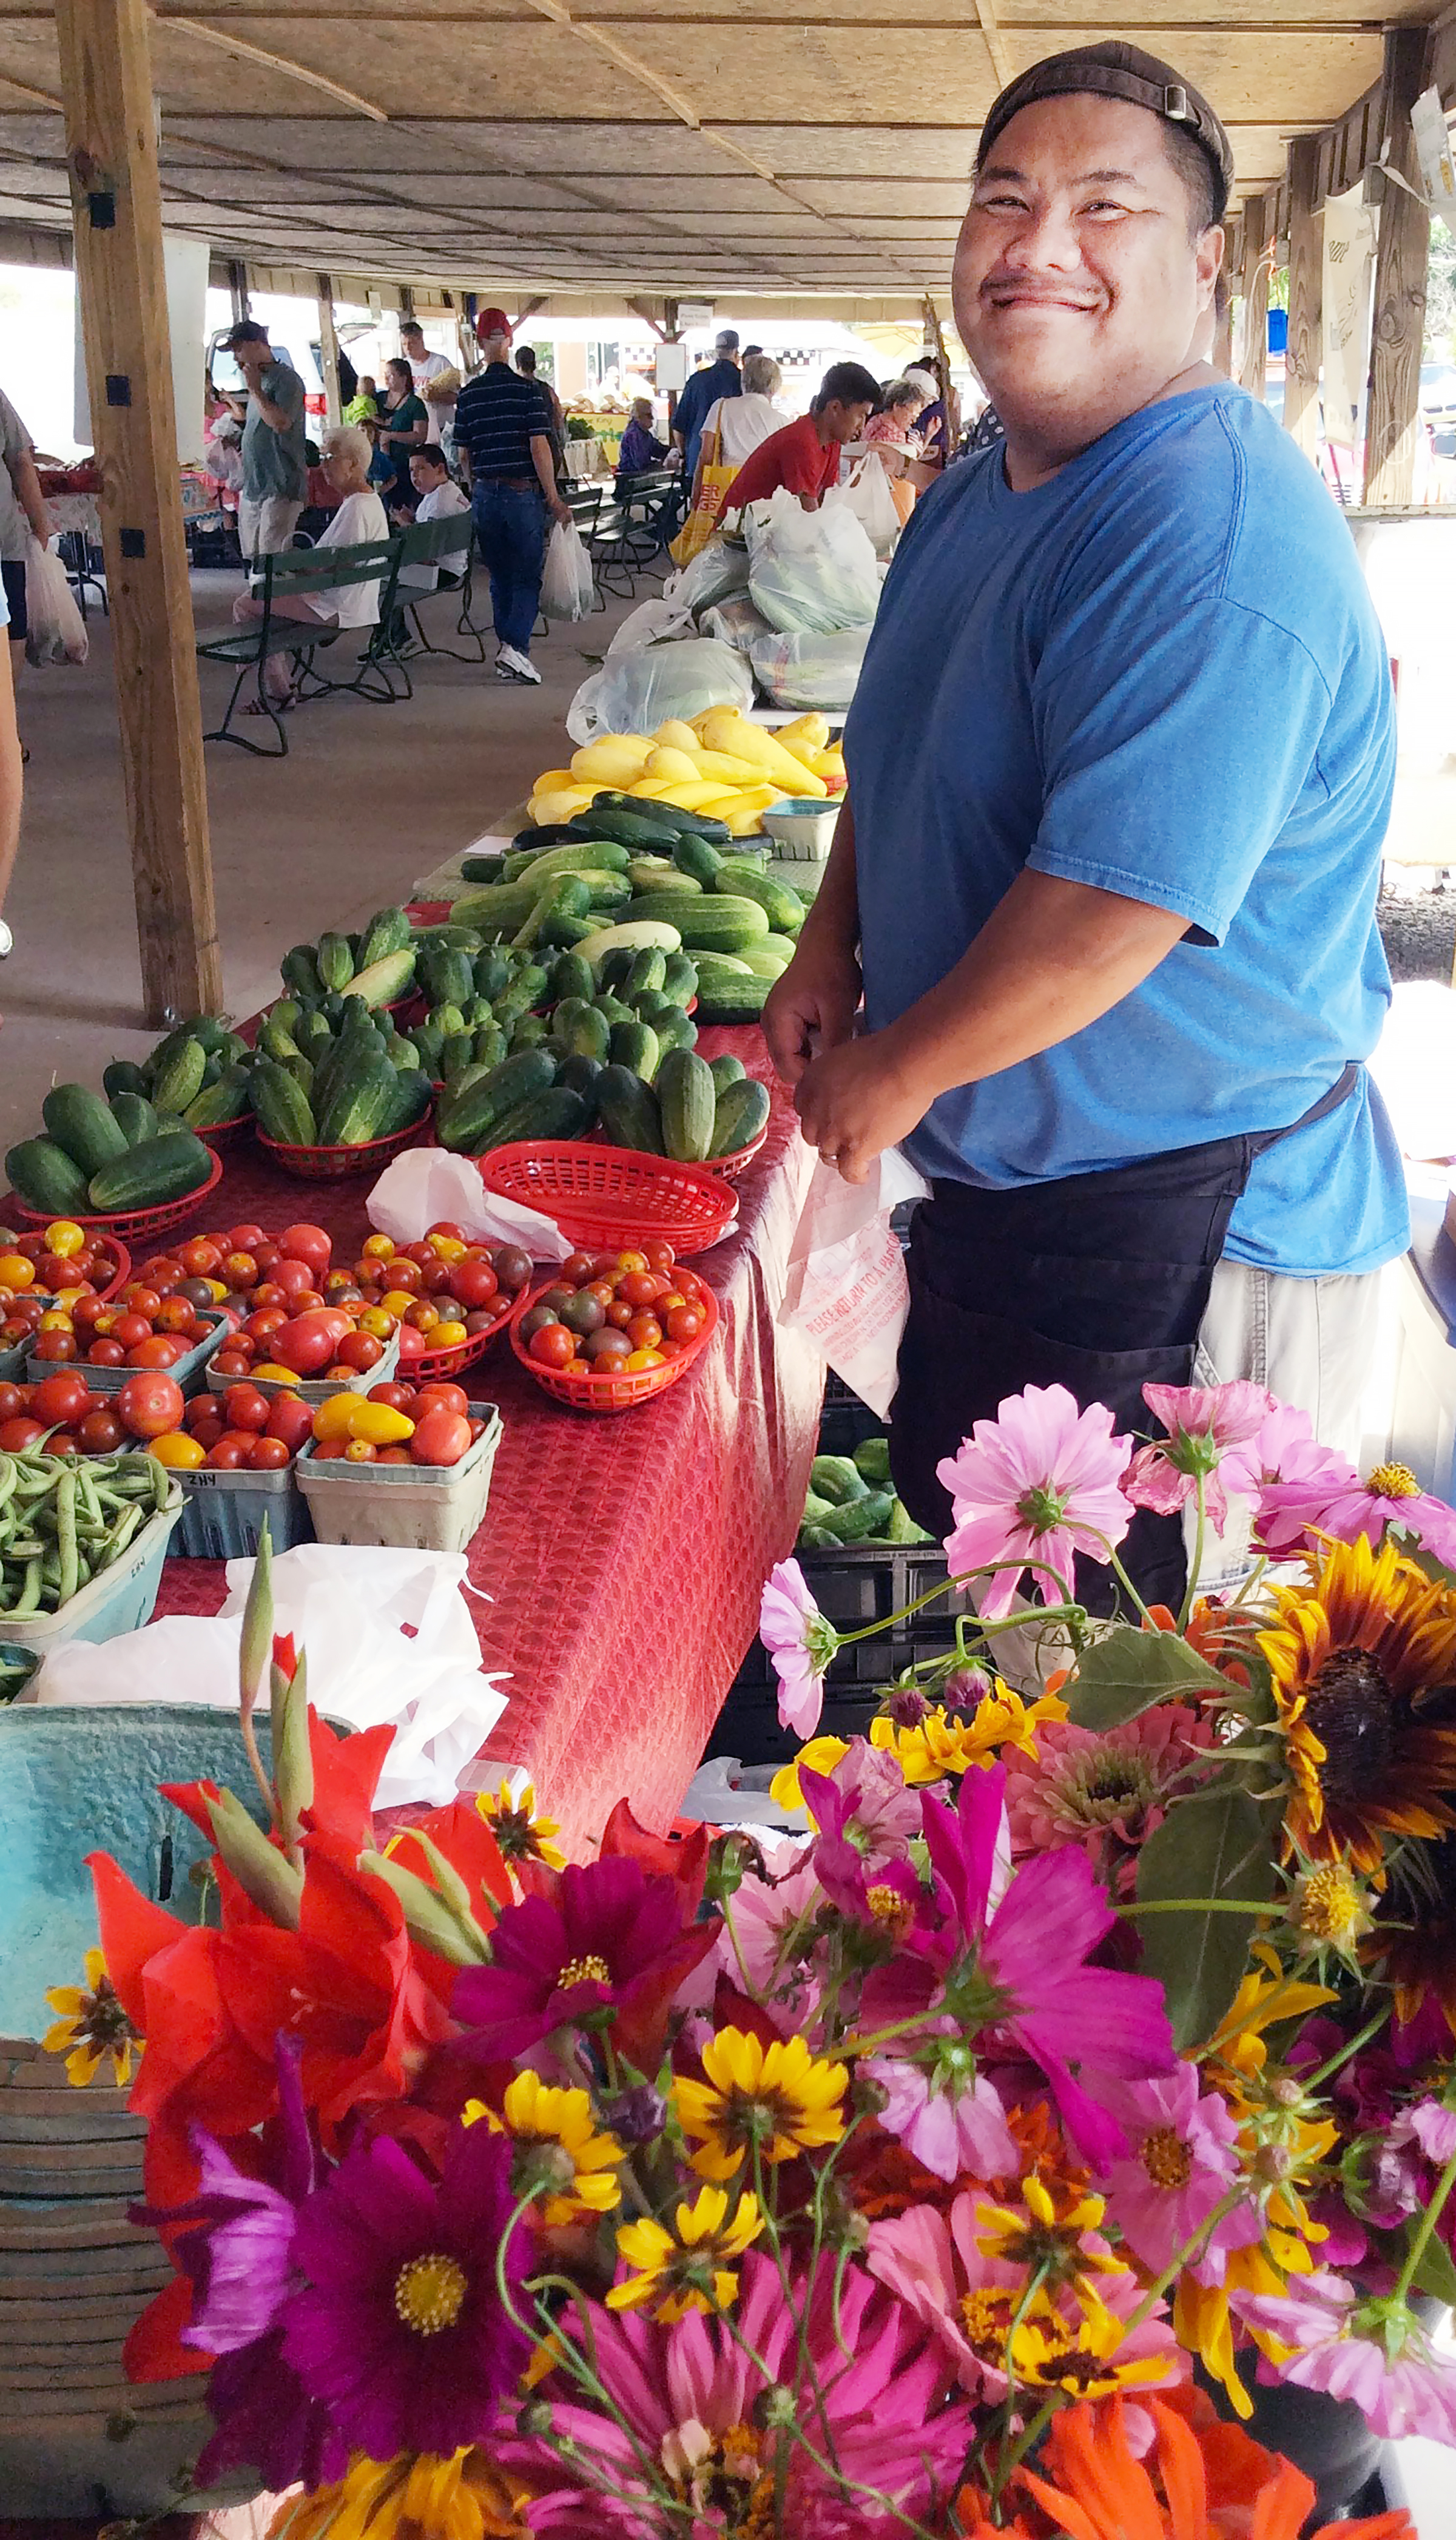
(716, 572)
(567, 586)
(651, 621)
(57, 630)
(735, 622)
(659, 684)
(810, 671)
(389, 1638)
(867, 495)
(429, 1186)
(847, 1289)
(812, 572)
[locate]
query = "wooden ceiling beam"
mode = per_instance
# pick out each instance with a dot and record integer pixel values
(238, 46)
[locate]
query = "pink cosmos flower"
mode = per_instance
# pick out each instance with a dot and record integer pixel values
(801, 1643)
(1432, 2127)
(1181, 2165)
(1325, 1495)
(952, 2121)
(1035, 1486)
(1202, 1423)
(1374, 2352)
(852, 1854)
(1105, 1790)
(1010, 1964)
(771, 1942)
(691, 2401)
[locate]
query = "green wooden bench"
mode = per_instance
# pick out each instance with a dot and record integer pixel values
(303, 573)
(448, 545)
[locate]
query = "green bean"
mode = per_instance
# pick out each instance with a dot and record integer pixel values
(65, 1521)
(29, 1596)
(91, 1507)
(8, 1478)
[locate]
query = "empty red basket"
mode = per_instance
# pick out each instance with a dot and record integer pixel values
(605, 1195)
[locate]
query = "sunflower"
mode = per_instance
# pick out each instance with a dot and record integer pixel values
(777, 2098)
(1350, 1660)
(1417, 1955)
(691, 2267)
(91, 2025)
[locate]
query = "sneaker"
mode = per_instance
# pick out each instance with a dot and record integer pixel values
(518, 666)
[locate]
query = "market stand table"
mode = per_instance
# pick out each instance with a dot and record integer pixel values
(623, 1554)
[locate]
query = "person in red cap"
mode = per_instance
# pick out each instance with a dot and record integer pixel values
(1120, 767)
(503, 441)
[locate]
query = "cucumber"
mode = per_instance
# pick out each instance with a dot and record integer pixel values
(743, 1111)
(731, 997)
(727, 1070)
(313, 1036)
(580, 1076)
(448, 977)
(556, 1113)
(581, 1030)
(681, 977)
(383, 980)
(467, 1114)
(335, 959)
(584, 855)
(280, 1106)
(160, 1168)
(636, 1045)
(137, 1116)
(652, 879)
(389, 930)
(276, 1040)
(614, 1009)
(674, 1028)
(631, 828)
(631, 937)
(571, 976)
(482, 868)
(783, 907)
(299, 971)
(491, 972)
(836, 1479)
(361, 1107)
(863, 1521)
(687, 1099)
(763, 963)
(629, 1112)
(708, 924)
(562, 895)
(87, 1128)
(458, 1052)
(44, 1177)
(871, 1461)
(123, 1076)
(694, 856)
(614, 969)
(529, 1032)
(412, 1096)
(661, 816)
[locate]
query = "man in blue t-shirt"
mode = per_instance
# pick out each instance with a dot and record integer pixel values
(1120, 768)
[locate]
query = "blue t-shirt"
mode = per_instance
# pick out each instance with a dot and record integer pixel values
(1158, 674)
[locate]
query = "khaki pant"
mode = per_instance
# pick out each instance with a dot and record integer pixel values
(266, 527)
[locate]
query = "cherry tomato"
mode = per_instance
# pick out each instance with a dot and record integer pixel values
(202, 1408)
(266, 1321)
(643, 1358)
(606, 1348)
(178, 1451)
(604, 1291)
(149, 1405)
(268, 1454)
(360, 1350)
(308, 1243)
(443, 1436)
(177, 1314)
(480, 1318)
(552, 1345)
(16, 1271)
(644, 1331)
(446, 1226)
(398, 1397)
(412, 1343)
(139, 1299)
(228, 1455)
(292, 1278)
(61, 1443)
(201, 1259)
(101, 1433)
(374, 1319)
(392, 1456)
(240, 1270)
(631, 1260)
(232, 1361)
(448, 1333)
(290, 1421)
(245, 1238)
(684, 1323)
(512, 1268)
(131, 1327)
(340, 1288)
(378, 1248)
(660, 1256)
(473, 1282)
(438, 1395)
(160, 1349)
(19, 1434)
(105, 1353)
(12, 1400)
(360, 1450)
(62, 1398)
(245, 1407)
(422, 1314)
(619, 1314)
(84, 1312)
(576, 1269)
(58, 1346)
(640, 1287)
(407, 1273)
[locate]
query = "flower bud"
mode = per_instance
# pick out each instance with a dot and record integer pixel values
(274, 1885)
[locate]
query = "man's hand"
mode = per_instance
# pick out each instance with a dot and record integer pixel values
(810, 1008)
(560, 513)
(854, 1101)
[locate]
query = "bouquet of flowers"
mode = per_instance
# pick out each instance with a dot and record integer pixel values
(887, 2182)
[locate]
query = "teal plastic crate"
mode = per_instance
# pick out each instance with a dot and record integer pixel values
(189, 1371)
(120, 1600)
(223, 1513)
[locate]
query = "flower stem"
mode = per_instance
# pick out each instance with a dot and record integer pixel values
(1195, 1567)
(1189, 2250)
(1196, 1905)
(1428, 2222)
(1349, 2049)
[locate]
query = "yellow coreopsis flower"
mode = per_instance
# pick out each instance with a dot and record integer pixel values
(1087, 2362)
(1203, 2322)
(558, 2145)
(1046, 2235)
(939, 1745)
(821, 1754)
(693, 2265)
(777, 2098)
(1238, 2048)
(520, 1834)
(420, 2496)
(92, 2026)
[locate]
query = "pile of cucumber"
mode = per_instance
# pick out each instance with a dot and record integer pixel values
(378, 966)
(633, 874)
(104, 1158)
(326, 1082)
(852, 1500)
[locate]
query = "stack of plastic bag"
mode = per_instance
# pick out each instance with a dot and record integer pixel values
(810, 572)
(735, 622)
(658, 683)
(810, 671)
(714, 574)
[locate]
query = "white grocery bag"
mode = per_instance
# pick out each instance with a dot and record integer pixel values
(847, 1289)
(567, 588)
(867, 495)
(429, 1186)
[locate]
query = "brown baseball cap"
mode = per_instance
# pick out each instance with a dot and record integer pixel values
(1125, 71)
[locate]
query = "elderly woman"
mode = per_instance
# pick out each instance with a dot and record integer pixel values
(358, 522)
(893, 430)
(741, 424)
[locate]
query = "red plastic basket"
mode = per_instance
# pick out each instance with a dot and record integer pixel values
(608, 1392)
(226, 1134)
(604, 1195)
(130, 1223)
(336, 1164)
(729, 1167)
(448, 1362)
(116, 1279)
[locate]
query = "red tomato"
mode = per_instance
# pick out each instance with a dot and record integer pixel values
(576, 1269)
(106, 1354)
(640, 1287)
(151, 1405)
(660, 1256)
(412, 1343)
(644, 1331)
(245, 1407)
(228, 1454)
(17, 1434)
(240, 1270)
(619, 1314)
(160, 1349)
(407, 1274)
(268, 1455)
(437, 1394)
(437, 1278)
(552, 1346)
(267, 1256)
(423, 1314)
(290, 1421)
(177, 1314)
(246, 1239)
(84, 1312)
(131, 1327)
(685, 1323)
(474, 1283)
(306, 1242)
(443, 1436)
(446, 1226)
(392, 1456)
(61, 1444)
(12, 1400)
(360, 1350)
(268, 1297)
(139, 1299)
(398, 1396)
(307, 1342)
(266, 1321)
(60, 1397)
(58, 1346)
(200, 1257)
(328, 1450)
(202, 1408)
(512, 1268)
(101, 1433)
(292, 1278)
(233, 1361)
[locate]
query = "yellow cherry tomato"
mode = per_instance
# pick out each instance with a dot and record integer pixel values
(354, 1415)
(219, 1289)
(378, 1248)
(16, 1271)
(397, 1303)
(641, 1359)
(178, 1451)
(374, 1319)
(55, 1320)
(446, 1247)
(447, 1335)
(274, 1375)
(632, 1261)
(360, 1450)
(65, 1297)
(63, 1237)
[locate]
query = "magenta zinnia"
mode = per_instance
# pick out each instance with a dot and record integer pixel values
(609, 1951)
(1031, 1489)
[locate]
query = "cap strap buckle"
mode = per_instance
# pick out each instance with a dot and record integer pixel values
(1176, 106)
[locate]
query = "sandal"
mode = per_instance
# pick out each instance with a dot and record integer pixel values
(272, 705)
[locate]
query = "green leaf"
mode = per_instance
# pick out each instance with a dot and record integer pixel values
(1217, 1849)
(1437, 2274)
(1127, 1671)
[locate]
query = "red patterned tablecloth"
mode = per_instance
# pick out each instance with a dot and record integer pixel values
(623, 1554)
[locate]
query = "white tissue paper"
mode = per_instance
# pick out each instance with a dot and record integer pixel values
(847, 1287)
(389, 1636)
(428, 1184)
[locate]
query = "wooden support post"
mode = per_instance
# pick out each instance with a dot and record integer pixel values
(1306, 297)
(328, 351)
(1256, 296)
(237, 285)
(1393, 400)
(116, 211)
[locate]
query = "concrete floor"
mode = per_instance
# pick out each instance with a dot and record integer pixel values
(369, 799)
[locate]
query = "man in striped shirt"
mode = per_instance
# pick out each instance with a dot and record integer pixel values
(503, 440)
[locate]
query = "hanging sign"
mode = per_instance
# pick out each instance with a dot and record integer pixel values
(1434, 149)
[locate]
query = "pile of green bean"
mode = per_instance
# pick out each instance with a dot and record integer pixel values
(64, 1519)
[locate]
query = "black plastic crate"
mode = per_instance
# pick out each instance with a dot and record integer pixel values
(860, 1584)
(845, 1421)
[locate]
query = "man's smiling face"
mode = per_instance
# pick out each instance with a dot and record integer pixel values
(1081, 272)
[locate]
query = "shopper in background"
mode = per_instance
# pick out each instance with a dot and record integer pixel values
(526, 363)
(404, 427)
(364, 406)
(24, 513)
(434, 496)
(358, 520)
(640, 449)
(503, 440)
(742, 424)
(893, 432)
(935, 437)
(12, 782)
(720, 378)
(275, 462)
(804, 457)
(424, 368)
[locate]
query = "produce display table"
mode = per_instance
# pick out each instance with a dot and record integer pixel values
(623, 1554)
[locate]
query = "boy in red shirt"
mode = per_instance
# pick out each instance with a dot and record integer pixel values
(805, 455)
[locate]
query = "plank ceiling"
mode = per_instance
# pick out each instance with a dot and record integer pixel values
(660, 146)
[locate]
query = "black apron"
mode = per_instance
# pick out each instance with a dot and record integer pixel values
(1099, 1283)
